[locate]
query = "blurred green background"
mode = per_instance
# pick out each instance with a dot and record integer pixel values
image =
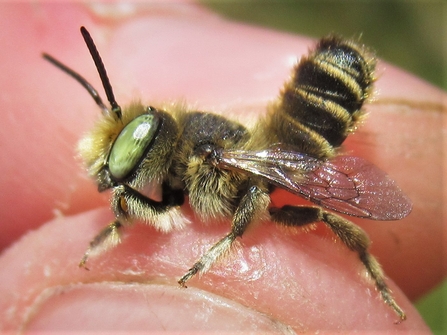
(411, 35)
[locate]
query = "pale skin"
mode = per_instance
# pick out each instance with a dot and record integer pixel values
(302, 281)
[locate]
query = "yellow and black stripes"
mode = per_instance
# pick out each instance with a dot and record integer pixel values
(321, 103)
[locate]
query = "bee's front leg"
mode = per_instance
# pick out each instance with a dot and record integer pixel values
(252, 207)
(129, 205)
(108, 238)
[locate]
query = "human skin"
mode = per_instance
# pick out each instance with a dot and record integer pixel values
(274, 280)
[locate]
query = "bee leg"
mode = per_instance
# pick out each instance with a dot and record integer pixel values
(350, 234)
(252, 207)
(106, 239)
(128, 205)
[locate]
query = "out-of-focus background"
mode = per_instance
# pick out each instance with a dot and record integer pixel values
(411, 35)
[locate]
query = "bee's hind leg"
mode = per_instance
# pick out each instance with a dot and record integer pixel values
(350, 234)
(251, 208)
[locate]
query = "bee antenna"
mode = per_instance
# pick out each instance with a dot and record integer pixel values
(102, 71)
(79, 79)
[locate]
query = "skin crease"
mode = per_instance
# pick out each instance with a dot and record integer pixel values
(274, 280)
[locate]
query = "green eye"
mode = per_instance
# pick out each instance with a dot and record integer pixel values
(131, 144)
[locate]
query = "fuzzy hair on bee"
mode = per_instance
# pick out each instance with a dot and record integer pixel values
(228, 171)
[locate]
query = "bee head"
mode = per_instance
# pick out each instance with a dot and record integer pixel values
(133, 145)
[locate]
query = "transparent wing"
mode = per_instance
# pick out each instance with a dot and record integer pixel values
(346, 184)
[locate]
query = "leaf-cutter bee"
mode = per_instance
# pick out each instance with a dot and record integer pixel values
(229, 171)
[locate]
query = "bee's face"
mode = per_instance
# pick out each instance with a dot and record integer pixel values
(134, 148)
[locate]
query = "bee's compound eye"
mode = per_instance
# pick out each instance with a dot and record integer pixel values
(131, 144)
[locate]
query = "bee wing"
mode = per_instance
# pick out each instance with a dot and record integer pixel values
(346, 184)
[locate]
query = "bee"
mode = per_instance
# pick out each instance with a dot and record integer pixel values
(227, 171)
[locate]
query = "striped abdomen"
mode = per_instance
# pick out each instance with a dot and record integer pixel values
(319, 106)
